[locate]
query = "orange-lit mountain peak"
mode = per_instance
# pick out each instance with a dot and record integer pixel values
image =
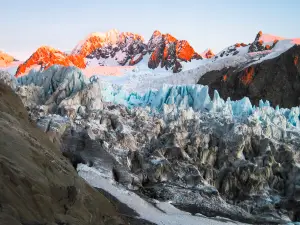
(156, 33)
(168, 51)
(5, 59)
(124, 35)
(43, 50)
(169, 38)
(95, 40)
(208, 53)
(185, 51)
(45, 57)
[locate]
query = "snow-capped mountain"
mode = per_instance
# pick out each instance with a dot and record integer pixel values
(125, 48)
(263, 44)
(115, 48)
(119, 49)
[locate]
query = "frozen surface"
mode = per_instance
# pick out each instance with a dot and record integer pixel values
(164, 214)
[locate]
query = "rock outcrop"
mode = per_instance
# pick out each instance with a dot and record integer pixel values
(262, 45)
(168, 52)
(259, 45)
(276, 80)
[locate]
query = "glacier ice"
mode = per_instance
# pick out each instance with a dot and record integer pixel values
(196, 97)
(56, 78)
(169, 99)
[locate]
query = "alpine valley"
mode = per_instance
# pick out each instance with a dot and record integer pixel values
(164, 134)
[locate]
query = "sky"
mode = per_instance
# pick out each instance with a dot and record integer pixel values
(215, 24)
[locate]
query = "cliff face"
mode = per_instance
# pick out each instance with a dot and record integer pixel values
(168, 52)
(38, 185)
(276, 80)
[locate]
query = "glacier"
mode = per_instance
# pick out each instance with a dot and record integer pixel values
(182, 123)
(169, 99)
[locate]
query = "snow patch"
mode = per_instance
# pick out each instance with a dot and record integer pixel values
(170, 214)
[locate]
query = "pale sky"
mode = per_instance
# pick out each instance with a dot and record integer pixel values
(215, 24)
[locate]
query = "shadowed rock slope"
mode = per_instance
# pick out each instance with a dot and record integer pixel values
(276, 80)
(37, 184)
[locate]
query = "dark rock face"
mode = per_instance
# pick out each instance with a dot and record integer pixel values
(276, 80)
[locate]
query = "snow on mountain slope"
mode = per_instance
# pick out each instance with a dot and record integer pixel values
(94, 41)
(163, 214)
(208, 53)
(264, 47)
(119, 52)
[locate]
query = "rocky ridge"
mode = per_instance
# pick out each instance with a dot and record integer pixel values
(276, 80)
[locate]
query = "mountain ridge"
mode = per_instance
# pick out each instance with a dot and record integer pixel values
(97, 47)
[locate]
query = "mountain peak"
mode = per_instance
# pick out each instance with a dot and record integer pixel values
(269, 37)
(207, 54)
(95, 40)
(135, 37)
(5, 59)
(46, 56)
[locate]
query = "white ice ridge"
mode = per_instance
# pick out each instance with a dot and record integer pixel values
(196, 97)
